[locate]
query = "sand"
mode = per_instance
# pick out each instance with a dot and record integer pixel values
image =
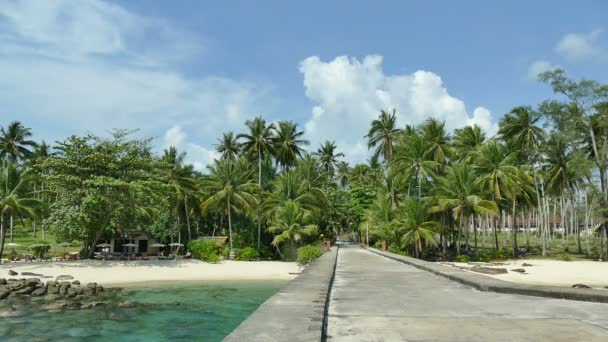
(553, 272)
(123, 273)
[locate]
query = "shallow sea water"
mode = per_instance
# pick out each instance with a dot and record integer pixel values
(186, 312)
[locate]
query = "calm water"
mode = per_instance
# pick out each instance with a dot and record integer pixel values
(186, 312)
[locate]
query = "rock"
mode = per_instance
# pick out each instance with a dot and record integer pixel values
(3, 281)
(39, 291)
(489, 270)
(53, 290)
(76, 282)
(63, 289)
(99, 288)
(74, 304)
(581, 286)
(32, 281)
(92, 305)
(519, 270)
(93, 285)
(57, 306)
(64, 277)
(526, 265)
(126, 304)
(31, 274)
(12, 273)
(51, 283)
(25, 290)
(4, 293)
(71, 292)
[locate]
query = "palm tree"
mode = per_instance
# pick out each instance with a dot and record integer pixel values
(291, 223)
(228, 146)
(14, 198)
(14, 143)
(343, 174)
(459, 193)
(181, 181)
(497, 172)
(412, 160)
(328, 157)
(230, 187)
(434, 133)
(287, 144)
(258, 143)
(419, 228)
(520, 129)
(466, 142)
(383, 134)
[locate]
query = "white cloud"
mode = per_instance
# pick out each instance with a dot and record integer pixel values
(197, 155)
(348, 94)
(538, 67)
(579, 46)
(174, 136)
(483, 118)
(74, 66)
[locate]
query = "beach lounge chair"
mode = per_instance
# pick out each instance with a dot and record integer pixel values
(74, 257)
(144, 256)
(61, 257)
(188, 255)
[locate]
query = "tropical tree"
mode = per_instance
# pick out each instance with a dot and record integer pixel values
(14, 142)
(343, 174)
(383, 134)
(228, 146)
(230, 187)
(467, 141)
(287, 144)
(328, 157)
(413, 161)
(291, 224)
(258, 143)
(420, 229)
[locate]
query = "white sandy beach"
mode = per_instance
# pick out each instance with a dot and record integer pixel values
(121, 273)
(553, 272)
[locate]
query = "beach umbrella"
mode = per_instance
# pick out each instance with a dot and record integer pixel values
(64, 245)
(36, 245)
(175, 244)
(157, 245)
(129, 245)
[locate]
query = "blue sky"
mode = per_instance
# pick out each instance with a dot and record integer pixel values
(185, 71)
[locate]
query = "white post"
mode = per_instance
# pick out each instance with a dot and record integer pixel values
(367, 235)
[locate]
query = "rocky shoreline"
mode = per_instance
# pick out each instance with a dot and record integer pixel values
(64, 292)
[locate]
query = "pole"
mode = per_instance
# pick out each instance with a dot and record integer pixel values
(367, 235)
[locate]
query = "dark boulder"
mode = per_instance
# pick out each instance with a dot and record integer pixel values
(12, 273)
(3, 281)
(64, 277)
(31, 274)
(489, 270)
(581, 286)
(39, 292)
(518, 270)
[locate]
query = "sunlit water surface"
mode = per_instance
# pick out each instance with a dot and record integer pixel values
(184, 312)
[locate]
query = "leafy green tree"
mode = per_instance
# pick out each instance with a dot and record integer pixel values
(291, 224)
(414, 161)
(419, 227)
(343, 174)
(383, 134)
(230, 187)
(466, 142)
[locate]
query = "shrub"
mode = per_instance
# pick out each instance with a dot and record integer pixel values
(483, 257)
(247, 254)
(566, 257)
(205, 250)
(462, 258)
(309, 253)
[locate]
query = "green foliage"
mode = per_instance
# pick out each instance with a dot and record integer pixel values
(205, 250)
(463, 258)
(483, 257)
(247, 254)
(566, 257)
(309, 253)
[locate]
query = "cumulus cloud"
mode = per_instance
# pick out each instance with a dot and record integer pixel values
(539, 67)
(348, 94)
(197, 155)
(577, 47)
(89, 65)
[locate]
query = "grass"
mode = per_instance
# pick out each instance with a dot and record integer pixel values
(23, 236)
(557, 247)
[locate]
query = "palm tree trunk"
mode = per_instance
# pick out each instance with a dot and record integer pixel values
(3, 236)
(475, 230)
(259, 197)
(229, 227)
(187, 218)
(514, 228)
(12, 237)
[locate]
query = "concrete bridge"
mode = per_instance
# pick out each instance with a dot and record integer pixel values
(374, 298)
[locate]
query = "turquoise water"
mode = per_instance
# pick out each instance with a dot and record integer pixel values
(185, 312)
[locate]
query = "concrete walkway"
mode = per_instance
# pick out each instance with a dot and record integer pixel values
(377, 299)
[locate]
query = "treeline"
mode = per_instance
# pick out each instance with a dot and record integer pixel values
(427, 192)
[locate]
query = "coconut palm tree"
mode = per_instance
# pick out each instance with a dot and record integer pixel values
(15, 143)
(458, 192)
(383, 134)
(328, 157)
(14, 198)
(413, 160)
(181, 181)
(498, 173)
(420, 229)
(230, 187)
(228, 146)
(466, 141)
(520, 128)
(438, 140)
(343, 174)
(287, 144)
(290, 224)
(258, 143)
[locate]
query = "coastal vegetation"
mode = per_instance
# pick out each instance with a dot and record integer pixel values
(539, 186)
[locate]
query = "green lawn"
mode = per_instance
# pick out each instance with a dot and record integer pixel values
(23, 236)
(556, 246)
